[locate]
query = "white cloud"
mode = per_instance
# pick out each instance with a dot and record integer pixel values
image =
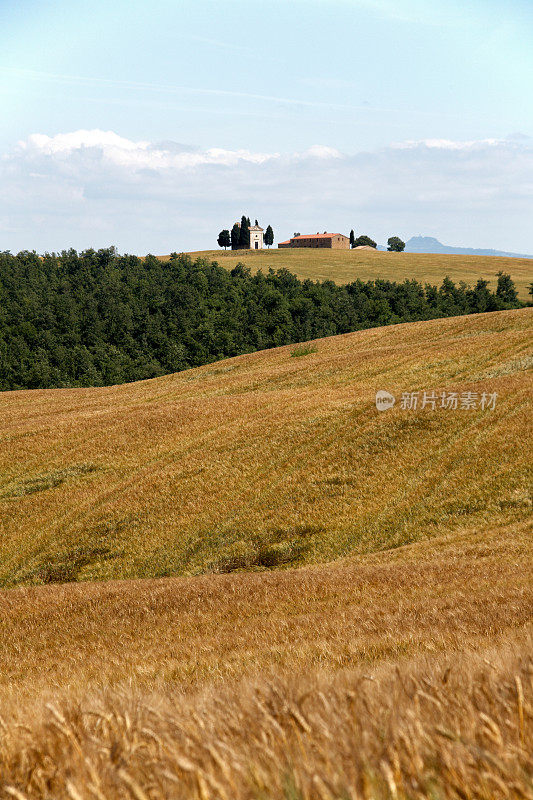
(121, 152)
(67, 142)
(321, 151)
(94, 188)
(448, 144)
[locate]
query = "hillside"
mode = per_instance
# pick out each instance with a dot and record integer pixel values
(267, 460)
(98, 318)
(433, 597)
(401, 669)
(344, 266)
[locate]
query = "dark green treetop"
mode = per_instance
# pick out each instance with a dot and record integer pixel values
(364, 241)
(224, 239)
(395, 245)
(505, 288)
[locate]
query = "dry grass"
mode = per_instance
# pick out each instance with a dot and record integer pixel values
(439, 595)
(456, 728)
(402, 671)
(330, 682)
(266, 460)
(345, 266)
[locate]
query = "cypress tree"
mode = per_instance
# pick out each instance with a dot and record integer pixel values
(244, 238)
(235, 236)
(269, 236)
(352, 238)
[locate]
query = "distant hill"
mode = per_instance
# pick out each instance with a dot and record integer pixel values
(428, 244)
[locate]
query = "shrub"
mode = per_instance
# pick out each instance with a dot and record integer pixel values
(303, 350)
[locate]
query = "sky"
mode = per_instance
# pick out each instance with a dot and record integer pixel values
(153, 125)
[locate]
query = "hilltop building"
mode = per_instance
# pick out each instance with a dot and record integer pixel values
(256, 237)
(336, 241)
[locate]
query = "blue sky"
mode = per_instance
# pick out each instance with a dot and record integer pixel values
(152, 125)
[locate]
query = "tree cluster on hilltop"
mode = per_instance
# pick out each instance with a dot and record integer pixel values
(239, 236)
(395, 244)
(99, 318)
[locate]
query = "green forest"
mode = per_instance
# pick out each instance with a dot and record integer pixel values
(98, 318)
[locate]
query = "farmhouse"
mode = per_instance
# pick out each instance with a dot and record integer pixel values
(336, 241)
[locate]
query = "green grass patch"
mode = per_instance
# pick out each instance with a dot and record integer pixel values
(45, 480)
(304, 350)
(80, 557)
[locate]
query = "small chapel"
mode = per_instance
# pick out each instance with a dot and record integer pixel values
(256, 237)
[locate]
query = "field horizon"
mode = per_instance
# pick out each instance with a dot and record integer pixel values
(345, 266)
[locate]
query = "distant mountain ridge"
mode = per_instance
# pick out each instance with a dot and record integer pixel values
(428, 244)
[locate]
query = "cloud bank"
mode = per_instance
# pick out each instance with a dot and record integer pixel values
(96, 188)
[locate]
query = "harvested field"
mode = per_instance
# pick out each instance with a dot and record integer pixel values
(345, 266)
(266, 460)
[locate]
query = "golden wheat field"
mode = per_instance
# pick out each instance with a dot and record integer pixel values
(345, 266)
(268, 460)
(323, 601)
(458, 727)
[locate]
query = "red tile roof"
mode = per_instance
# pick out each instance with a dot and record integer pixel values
(317, 236)
(312, 236)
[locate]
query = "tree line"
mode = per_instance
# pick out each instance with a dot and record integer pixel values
(394, 243)
(239, 236)
(97, 318)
